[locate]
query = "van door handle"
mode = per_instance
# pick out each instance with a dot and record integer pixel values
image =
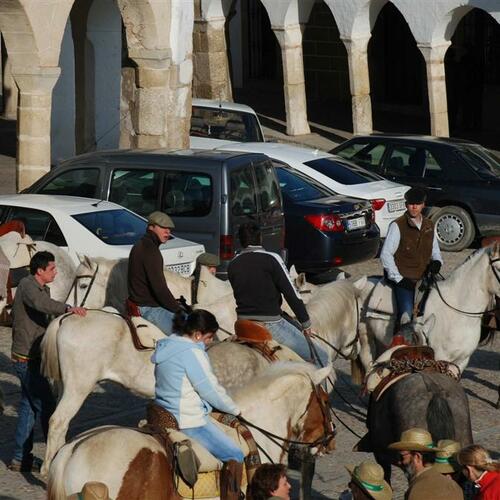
(434, 188)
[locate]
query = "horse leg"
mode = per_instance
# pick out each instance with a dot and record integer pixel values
(69, 404)
(384, 460)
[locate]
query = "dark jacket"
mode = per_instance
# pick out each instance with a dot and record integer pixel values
(146, 282)
(415, 247)
(31, 313)
(259, 279)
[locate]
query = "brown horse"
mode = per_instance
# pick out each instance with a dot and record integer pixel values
(284, 401)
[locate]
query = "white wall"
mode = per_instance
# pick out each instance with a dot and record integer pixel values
(105, 41)
(63, 103)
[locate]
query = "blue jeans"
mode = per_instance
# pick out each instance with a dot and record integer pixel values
(37, 401)
(216, 442)
(285, 333)
(404, 300)
(160, 317)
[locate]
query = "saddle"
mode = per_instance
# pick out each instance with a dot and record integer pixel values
(400, 362)
(258, 337)
(198, 471)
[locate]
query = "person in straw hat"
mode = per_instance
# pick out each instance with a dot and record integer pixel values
(367, 482)
(417, 455)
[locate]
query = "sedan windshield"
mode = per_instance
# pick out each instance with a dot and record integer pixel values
(225, 125)
(113, 227)
(480, 159)
(297, 187)
(343, 173)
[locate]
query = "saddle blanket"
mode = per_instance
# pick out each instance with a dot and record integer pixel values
(148, 333)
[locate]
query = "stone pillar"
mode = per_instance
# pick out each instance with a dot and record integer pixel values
(211, 78)
(149, 114)
(436, 87)
(290, 40)
(33, 122)
(10, 93)
(359, 81)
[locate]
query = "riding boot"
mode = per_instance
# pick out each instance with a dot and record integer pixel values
(230, 480)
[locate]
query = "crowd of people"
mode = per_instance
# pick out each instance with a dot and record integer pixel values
(187, 388)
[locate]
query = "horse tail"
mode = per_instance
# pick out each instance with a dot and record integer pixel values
(439, 417)
(50, 355)
(55, 482)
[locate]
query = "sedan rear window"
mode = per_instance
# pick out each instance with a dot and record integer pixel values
(342, 172)
(298, 188)
(113, 227)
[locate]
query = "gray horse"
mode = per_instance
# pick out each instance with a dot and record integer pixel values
(428, 400)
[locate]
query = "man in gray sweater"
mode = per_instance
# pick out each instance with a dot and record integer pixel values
(32, 311)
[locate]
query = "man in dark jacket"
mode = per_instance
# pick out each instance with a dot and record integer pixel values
(31, 313)
(147, 287)
(410, 249)
(259, 280)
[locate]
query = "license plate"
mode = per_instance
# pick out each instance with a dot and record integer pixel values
(396, 206)
(184, 269)
(356, 223)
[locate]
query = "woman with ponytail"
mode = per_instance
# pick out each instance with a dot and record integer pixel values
(187, 387)
(480, 468)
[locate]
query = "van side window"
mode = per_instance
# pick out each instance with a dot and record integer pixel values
(243, 200)
(136, 190)
(267, 187)
(187, 194)
(78, 182)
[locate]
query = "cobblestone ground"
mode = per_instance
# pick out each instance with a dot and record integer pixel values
(112, 405)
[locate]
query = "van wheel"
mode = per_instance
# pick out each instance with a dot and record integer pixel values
(454, 228)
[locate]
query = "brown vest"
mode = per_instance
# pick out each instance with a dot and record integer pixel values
(415, 247)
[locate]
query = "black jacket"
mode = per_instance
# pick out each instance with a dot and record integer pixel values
(259, 279)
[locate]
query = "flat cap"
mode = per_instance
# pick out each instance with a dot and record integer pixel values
(161, 219)
(208, 259)
(415, 195)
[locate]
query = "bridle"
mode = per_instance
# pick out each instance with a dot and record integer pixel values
(321, 443)
(74, 287)
(468, 313)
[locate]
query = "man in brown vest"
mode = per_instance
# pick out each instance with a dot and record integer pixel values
(410, 249)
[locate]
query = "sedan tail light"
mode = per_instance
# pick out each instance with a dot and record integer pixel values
(226, 251)
(326, 223)
(378, 203)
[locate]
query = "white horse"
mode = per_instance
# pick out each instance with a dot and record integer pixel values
(282, 401)
(79, 352)
(451, 323)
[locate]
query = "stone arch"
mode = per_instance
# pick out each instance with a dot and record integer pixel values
(397, 75)
(473, 74)
(326, 70)
(365, 18)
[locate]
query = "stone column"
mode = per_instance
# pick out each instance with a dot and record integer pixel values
(149, 113)
(10, 93)
(211, 78)
(33, 122)
(436, 87)
(290, 40)
(359, 81)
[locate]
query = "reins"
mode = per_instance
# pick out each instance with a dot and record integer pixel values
(480, 313)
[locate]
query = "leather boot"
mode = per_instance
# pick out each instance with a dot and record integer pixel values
(230, 480)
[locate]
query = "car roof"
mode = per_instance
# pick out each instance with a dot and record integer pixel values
(66, 204)
(226, 105)
(416, 137)
(111, 156)
(279, 151)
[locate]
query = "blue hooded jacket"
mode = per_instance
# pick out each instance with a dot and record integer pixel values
(185, 383)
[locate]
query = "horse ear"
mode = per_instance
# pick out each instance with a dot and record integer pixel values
(340, 276)
(293, 273)
(360, 283)
(496, 250)
(429, 324)
(87, 262)
(320, 374)
(301, 281)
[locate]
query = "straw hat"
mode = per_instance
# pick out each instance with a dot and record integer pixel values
(446, 462)
(414, 439)
(369, 476)
(92, 490)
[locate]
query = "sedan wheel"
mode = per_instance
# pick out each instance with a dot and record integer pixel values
(454, 228)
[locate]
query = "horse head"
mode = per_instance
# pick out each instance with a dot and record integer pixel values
(89, 285)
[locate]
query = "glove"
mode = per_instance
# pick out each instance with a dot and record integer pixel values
(407, 284)
(434, 266)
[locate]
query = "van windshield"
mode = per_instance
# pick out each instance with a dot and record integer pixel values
(225, 125)
(113, 227)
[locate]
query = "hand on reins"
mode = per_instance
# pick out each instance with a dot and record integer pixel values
(80, 311)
